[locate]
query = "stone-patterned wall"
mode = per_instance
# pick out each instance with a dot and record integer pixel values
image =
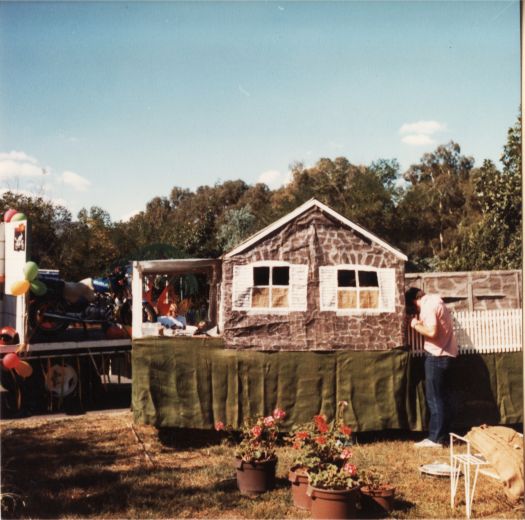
(314, 239)
(472, 291)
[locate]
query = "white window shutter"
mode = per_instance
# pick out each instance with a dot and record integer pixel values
(242, 287)
(298, 287)
(328, 287)
(387, 289)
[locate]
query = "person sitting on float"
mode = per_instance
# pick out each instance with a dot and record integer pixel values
(173, 320)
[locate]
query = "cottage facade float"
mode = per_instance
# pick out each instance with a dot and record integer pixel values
(313, 280)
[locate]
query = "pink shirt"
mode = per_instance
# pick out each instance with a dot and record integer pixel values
(434, 313)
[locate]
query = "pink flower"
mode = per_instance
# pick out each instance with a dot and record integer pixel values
(346, 454)
(279, 414)
(350, 469)
(269, 421)
(219, 426)
(256, 431)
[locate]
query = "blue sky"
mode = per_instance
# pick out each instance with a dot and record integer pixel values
(111, 104)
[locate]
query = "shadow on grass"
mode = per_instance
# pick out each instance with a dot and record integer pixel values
(188, 438)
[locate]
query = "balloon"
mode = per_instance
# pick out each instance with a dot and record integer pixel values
(20, 287)
(24, 369)
(11, 360)
(9, 214)
(38, 288)
(30, 271)
(18, 216)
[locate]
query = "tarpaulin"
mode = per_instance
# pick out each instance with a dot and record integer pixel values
(191, 383)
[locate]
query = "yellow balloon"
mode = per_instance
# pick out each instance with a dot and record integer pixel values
(20, 287)
(24, 369)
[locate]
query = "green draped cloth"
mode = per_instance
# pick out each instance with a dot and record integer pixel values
(191, 383)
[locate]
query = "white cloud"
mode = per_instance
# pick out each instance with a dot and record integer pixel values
(75, 180)
(16, 156)
(130, 215)
(419, 133)
(19, 165)
(423, 127)
(417, 140)
(274, 178)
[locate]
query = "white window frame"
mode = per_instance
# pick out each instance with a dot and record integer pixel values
(270, 286)
(297, 286)
(329, 275)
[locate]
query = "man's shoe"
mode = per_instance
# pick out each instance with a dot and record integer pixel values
(427, 443)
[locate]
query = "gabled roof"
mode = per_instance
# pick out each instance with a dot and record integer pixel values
(299, 211)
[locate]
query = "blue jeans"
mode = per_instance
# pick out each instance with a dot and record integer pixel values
(437, 394)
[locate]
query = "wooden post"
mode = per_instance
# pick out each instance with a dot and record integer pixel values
(470, 292)
(136, 291)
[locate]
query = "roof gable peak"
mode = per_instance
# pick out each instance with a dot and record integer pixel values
(299, 211)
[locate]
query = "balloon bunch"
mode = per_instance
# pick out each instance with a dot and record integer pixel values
(30, 281)
(11, 361)
(13, 215)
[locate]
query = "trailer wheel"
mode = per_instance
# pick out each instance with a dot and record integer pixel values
(42, 323)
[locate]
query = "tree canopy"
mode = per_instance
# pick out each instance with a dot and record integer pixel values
(443, 212)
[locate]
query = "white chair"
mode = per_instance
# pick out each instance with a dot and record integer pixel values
(471, 465)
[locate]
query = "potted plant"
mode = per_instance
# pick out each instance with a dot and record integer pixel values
(255, 456)
(377, 495)
(317, 443)
(334, 490)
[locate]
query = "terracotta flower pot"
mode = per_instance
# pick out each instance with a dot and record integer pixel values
(378, 500)
(337, 504)
(254, 478)
(299, 480)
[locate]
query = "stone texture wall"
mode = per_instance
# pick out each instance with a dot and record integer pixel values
(472, 291)
(314, 239)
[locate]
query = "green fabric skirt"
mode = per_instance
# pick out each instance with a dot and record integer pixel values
(191, 383)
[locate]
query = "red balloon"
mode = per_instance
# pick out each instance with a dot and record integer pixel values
(11, 361)
(9, 214)
(24, 369)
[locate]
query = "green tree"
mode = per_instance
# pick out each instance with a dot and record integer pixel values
(495, 241)
(237, 225)
(438, 198)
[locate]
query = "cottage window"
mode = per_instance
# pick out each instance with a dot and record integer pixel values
(270, 291)
(270, 287)
(355, 289)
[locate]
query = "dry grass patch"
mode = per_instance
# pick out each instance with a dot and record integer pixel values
(101, 465)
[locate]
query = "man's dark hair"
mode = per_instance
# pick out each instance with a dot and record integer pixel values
(413, 294)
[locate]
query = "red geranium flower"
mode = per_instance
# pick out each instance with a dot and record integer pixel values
(320, 439)
(345, 430)
(320, 423)
(219, 425)
(302, 435)
(256, 431)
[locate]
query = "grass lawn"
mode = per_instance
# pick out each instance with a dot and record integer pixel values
(101, 465)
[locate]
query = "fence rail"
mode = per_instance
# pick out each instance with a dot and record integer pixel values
(480, 332)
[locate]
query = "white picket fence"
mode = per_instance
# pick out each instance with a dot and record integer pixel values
(480, 332)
